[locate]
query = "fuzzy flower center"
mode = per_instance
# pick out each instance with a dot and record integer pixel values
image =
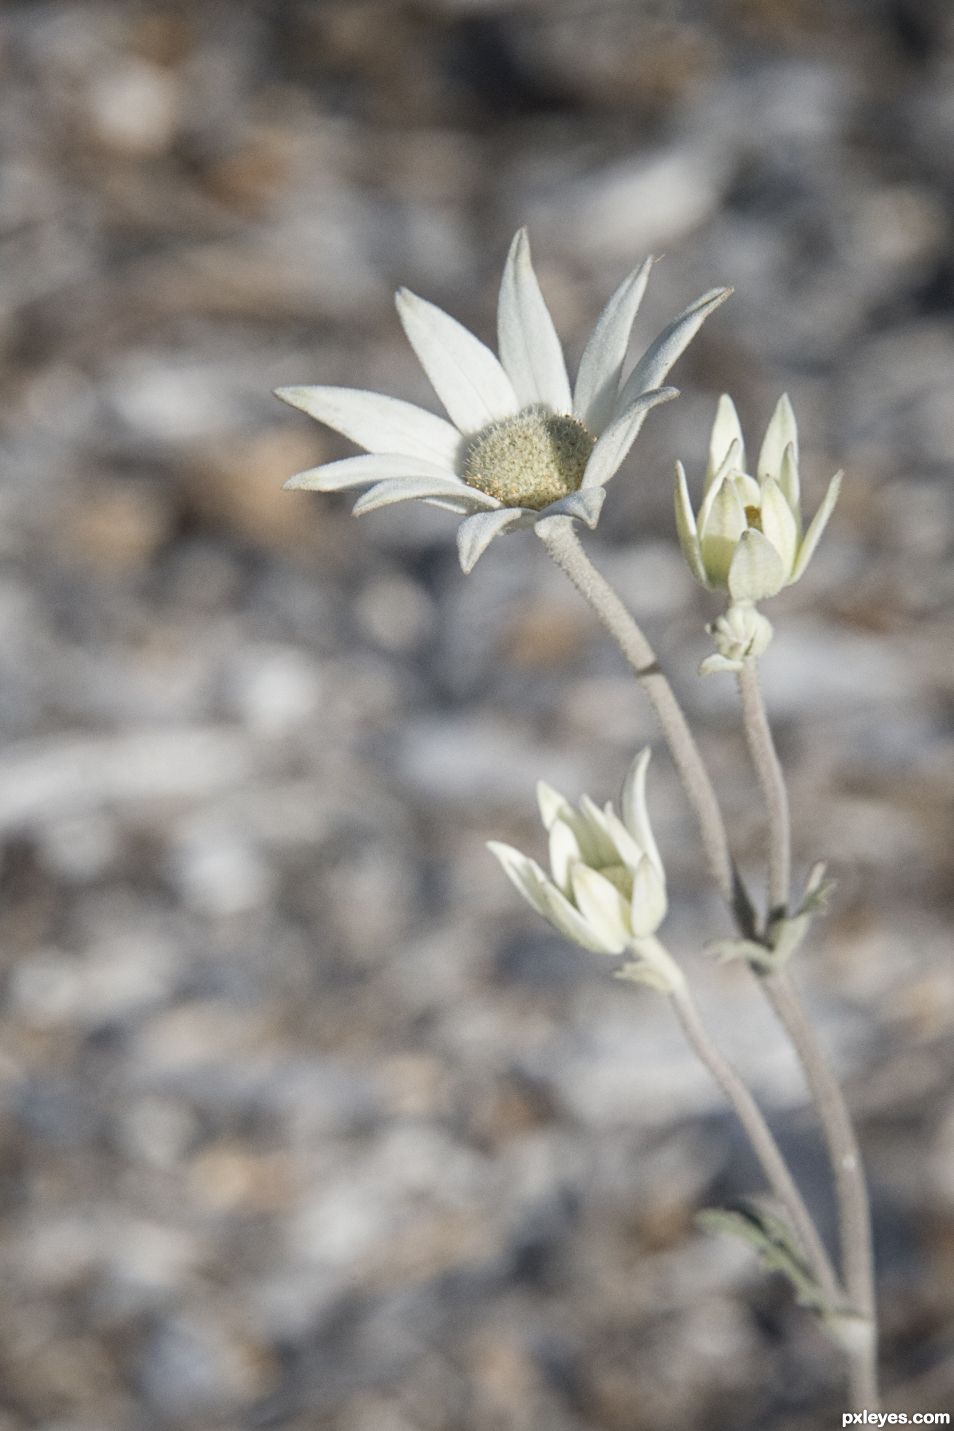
(529, 460)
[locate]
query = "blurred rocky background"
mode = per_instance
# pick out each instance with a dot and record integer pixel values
(305, 1121)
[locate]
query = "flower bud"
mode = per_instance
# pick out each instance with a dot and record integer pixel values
(747, 538)
(606, 889)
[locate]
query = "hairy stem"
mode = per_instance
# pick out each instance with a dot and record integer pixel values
(763, 1144)
(758, 734)
(561, 542)
(854, 1213)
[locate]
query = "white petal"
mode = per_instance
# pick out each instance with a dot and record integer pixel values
(359, 471)
(726, 430)
(407, 489)
(756, 570)
(551, 803)
(686, 526)
(781, 431)
(732, 462)
(610, 451)
(747, 489)
(564, 917)
(580, 506)
(715, 663)
(601, 366)
(529, 347)
(648, 904)
(789, 483)
(564, 853)
(817, 525)
(670, 345)
(600, 847)
(476, 533)
(462, 370)
(627, 849)
(635, 811)
(602, 906)
(721, 523)
(525, 874)
(379, 423)
(778, 523)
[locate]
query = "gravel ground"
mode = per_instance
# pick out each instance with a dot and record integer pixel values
(304, 1121)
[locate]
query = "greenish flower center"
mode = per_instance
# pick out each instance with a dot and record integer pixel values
(619, 877)
(529, 460)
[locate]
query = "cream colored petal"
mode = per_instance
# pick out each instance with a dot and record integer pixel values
(568, 920)
(601, 366)
(818, 524)
(648, 904)
(747, 489)
(462, 370)
(721, 524)
(756, 571)
(686, 526)
(600, 849)
(564, 853)
(602, 906)
(778, 523)
(781, 432)
(635, 810)
(378, 423)
(627, 849)
(734, 461)
(530, 349)
(551, 803)
(525, 874)
(789, 483)
(726, 432)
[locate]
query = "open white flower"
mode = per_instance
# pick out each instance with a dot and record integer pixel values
(607, 888)
(748, 537)
(520, 445)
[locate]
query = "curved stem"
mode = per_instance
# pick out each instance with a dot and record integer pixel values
(763, 1144)
(758, 734)
(561, 542)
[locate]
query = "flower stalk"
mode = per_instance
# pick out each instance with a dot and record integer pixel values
(830, 1107)
(844, 1154)
(564, 547)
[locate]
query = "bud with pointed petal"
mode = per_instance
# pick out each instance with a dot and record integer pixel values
(748, 537)
(607, 888)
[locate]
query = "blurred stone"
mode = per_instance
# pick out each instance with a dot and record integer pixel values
(395, 613)
(237, 485)
(115, 527)
(134, 107)
(276, 689)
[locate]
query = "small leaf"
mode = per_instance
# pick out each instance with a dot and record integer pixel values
(775, 1244)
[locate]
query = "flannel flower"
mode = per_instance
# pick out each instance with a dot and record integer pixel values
(748, 537)
(520, 445)
(607, 888)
